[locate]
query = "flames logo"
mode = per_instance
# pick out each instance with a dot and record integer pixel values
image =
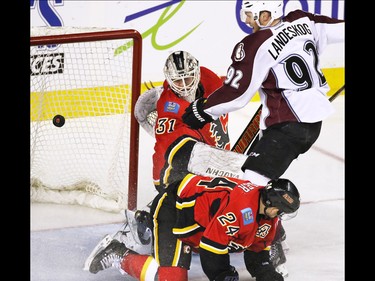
(219, 132)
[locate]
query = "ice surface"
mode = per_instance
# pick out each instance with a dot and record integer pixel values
(63, 236)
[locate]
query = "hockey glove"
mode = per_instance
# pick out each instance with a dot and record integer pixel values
(194, 115)
(259, 266)
(229, 275)
(270, 276)
(145, 109)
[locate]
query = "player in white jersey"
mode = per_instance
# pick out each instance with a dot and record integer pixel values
(280, 60)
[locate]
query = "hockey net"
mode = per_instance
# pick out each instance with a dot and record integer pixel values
(92, 78)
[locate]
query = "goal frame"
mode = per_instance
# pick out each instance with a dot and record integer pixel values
(136, 88)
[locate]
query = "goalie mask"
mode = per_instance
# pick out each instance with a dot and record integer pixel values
(256, 7)
(182, 73)
(282, 194)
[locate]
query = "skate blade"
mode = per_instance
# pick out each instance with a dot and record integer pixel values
(282, 270)
(100, 246)
(285, 246)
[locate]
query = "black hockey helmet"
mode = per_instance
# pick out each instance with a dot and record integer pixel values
(282, 194)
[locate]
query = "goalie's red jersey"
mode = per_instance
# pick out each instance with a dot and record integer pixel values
(221, 215)
(174, 139)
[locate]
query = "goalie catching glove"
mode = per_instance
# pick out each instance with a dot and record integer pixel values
(194, 115)
(145, 109)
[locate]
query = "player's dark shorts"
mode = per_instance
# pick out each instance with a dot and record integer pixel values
(279, 145)
(168, 250)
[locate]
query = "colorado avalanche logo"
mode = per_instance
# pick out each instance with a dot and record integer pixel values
(240, 53)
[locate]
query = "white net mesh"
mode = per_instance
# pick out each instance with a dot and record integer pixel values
(85, 161)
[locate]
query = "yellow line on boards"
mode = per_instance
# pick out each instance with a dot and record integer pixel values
(110, 100)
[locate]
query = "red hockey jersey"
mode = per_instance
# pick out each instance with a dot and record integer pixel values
(221, 215)
(174, 139)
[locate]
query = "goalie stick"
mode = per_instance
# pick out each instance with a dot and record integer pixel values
(249, 136)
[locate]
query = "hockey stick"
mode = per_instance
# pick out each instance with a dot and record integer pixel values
(338, 92)
(249, 135)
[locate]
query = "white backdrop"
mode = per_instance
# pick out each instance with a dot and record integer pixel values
(207, 29)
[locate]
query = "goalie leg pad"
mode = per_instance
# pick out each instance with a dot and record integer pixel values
(206, 160)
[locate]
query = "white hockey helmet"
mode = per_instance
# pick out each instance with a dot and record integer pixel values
(275, 7)
(182, 73)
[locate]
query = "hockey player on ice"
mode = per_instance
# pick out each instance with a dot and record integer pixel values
(279, 60)
(211, 216)
(159, 111)
(178, 148)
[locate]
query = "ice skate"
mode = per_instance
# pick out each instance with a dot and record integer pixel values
(108, 253)
(134, 236)
(282, 239)
(278, 250)
(278, 259)
(285, 246)
(136, 233)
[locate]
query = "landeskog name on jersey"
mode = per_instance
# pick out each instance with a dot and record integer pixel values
(286, 35)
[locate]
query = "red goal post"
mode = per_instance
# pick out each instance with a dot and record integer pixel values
(92, 78)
